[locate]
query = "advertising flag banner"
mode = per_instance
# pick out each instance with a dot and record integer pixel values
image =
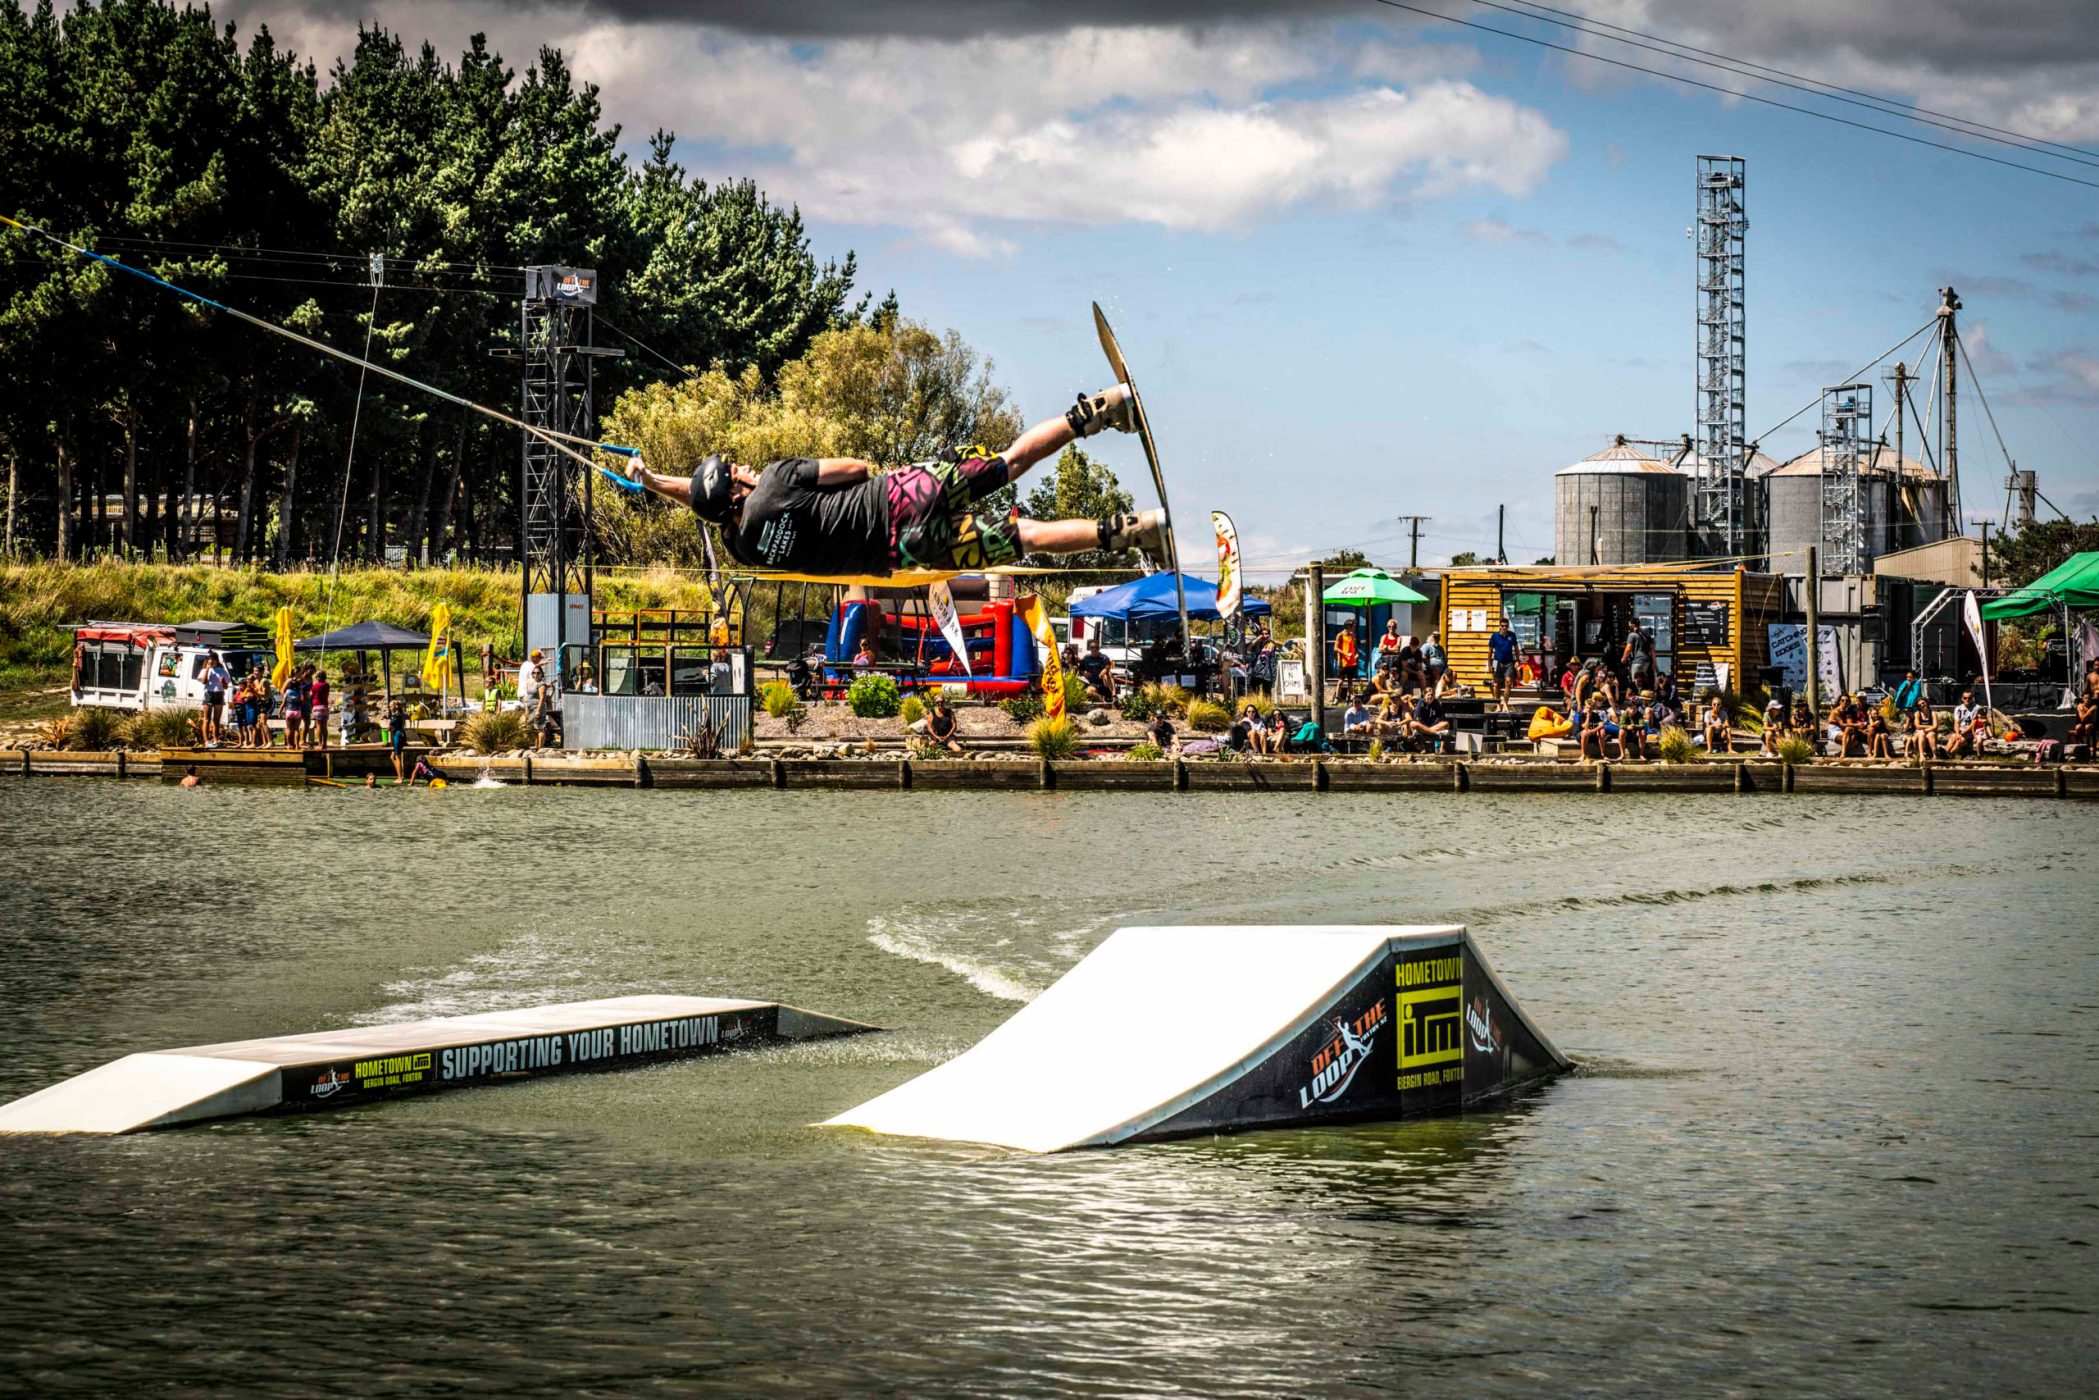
(1046, 645)
(437, 661)
(1971, 612)
(940, 602)
(282, 671)
(1227, 563)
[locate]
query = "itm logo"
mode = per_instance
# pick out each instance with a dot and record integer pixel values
(1335, 1063)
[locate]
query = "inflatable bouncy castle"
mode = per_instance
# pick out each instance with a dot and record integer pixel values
(911, 648)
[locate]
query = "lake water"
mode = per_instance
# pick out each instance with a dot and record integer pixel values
(1838, 1128)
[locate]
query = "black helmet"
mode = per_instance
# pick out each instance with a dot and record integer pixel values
(713, 493)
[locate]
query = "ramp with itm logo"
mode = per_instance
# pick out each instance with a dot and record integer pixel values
(1173, 1032)
(331, 1069)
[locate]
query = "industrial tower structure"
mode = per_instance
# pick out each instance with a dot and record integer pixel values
(1847, 436)
(555, 350)
(1723, 509)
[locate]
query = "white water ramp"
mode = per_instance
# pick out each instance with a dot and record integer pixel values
(328, 1069)
(1169, 1032)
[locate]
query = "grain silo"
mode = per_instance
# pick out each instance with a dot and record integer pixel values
(1624, 505)
(1902, 509)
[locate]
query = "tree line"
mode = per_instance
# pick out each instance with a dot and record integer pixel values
(139, 422)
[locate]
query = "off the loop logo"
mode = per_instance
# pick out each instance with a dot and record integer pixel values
(1335, 1063)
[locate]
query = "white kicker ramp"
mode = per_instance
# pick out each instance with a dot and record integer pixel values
(328, 1069)
(1169, 1032)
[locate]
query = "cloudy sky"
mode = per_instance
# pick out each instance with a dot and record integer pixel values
(1369, 263)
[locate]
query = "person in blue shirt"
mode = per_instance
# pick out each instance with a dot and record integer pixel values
(1909, 693)
(1501, 660)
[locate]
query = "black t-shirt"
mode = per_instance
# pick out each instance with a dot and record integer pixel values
(789, 522)
(1427, 711)
(1091, 665)
(940, 724)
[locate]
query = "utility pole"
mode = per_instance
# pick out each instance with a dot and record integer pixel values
(1949, 349)
(1315, 642)
(1414, 549)
(1592, 536)
(1814, 643)
(1501, 520)
(1901, 378)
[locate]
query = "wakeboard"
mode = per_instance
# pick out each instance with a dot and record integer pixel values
(1172, 560)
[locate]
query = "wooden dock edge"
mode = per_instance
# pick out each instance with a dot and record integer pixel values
(886, 773)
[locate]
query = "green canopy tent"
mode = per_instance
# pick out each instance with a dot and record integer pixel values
(1365, 587)
(2073, 584)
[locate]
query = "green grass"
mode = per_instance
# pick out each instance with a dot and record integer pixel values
(41, 603)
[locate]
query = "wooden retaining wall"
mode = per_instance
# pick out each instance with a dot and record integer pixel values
(887, 774)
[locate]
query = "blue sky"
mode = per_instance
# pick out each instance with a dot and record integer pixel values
(1367, 268)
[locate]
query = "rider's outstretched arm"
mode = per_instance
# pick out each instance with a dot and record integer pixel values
(842, 471)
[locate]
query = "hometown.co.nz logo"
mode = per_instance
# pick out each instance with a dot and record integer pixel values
(1335, 1063)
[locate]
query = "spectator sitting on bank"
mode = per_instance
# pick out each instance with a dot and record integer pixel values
(1632, 732)
(1962, 739)
(1393, 713)
(1774, 725)
(1389, 645)
(1802, 722)
(1924, 731)
(2084, 725)
(1162, 736)
(1653, 715)
(1278, 732)
(1878, 741)
(1241, 736)
(1596, 730)
(1718, 735)
(1356, 720)
(1847, 723)
(1097, 672)
(1428, 725)
(1385, 683)
(939, 726)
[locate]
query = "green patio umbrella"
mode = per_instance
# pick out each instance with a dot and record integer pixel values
(1367, 586)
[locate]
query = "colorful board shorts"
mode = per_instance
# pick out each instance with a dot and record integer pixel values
(932, 523)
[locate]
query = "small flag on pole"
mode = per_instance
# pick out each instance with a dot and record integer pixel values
(282, 671)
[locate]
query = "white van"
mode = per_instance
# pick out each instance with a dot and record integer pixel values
(159, 666)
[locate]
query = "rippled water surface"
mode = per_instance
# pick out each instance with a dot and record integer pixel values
(1838, 1132)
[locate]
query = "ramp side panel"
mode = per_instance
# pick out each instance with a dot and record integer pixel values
(145, 1091)
(1129, 1035)
(1387, 1045)
(1503, 1050)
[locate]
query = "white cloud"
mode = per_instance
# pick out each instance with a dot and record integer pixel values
(961, 143)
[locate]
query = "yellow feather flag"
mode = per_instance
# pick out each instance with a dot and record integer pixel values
(437, 662)
(1052, 668)
(282, 671)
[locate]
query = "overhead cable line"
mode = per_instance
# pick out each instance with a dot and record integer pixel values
(1814, 87)
(1859, 373)
(554, 438)
(1735, 92)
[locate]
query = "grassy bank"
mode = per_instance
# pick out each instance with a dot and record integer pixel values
(41, 603)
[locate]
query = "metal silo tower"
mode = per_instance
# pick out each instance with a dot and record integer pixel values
(1723, 509)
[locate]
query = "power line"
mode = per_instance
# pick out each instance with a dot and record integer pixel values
(1908, 111)
(1733, 92)
(1859, 373)
(135, 241)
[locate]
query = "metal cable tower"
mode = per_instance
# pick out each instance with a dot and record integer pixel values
(1847, 431)
(554, 340)
(1723, 511)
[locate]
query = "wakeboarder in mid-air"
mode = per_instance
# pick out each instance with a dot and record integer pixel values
(839, 516)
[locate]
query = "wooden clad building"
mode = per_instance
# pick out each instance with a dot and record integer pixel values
(1703, 618)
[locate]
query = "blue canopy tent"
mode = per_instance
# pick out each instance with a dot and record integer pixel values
(1153, 597)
